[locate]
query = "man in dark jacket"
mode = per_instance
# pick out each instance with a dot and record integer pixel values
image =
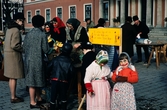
(61, 68)
(128, 37)
(142, 30)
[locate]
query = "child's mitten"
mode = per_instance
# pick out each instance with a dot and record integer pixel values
(89, 87)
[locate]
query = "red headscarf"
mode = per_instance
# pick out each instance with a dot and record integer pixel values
(59, 25)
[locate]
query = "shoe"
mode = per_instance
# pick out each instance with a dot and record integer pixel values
(17, 100)
(138, 61)
(41, 102)
(34, 106)
(145, 63)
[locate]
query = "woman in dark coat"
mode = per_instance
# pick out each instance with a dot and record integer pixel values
(77, 35)
(13, 61)
(128, 37)
(77, 32)
(48, 28)
(35, 46)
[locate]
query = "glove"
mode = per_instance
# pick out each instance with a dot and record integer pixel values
(89, 87)
(121, 79)
(118, 70)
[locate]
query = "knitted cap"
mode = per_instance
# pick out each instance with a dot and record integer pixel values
(102, 57)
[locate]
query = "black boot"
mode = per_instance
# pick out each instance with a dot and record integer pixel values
(52, 106)
(63, 105)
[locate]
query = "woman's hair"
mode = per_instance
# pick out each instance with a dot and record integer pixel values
(54, 19)
(38, 21)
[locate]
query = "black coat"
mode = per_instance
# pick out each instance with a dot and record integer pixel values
(83, 35)
(61, 67)
(128, 38)
(87, 59)
(142, 27)
(61, 37)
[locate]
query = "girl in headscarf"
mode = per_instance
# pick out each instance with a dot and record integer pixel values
(123, 92)
(98, 88)
(59, 32)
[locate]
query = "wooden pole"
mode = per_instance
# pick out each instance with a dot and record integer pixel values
(80, 105)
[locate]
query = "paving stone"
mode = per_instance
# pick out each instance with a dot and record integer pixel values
(150, 91)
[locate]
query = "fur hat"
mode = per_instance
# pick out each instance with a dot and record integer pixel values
(86, 45)
(102, 57)
(101, 21)
(129, 19)
(18, 16)
(38, 21)
(135, 18)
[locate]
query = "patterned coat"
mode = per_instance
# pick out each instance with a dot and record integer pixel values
(13, 61)
(35, 45)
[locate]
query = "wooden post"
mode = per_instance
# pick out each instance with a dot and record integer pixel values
(79, 86)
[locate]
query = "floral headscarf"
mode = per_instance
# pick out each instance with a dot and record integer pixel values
(102, 58)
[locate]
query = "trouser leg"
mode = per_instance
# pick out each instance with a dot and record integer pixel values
(63, 95)
(146, 53)
(54, 91)
(139, 54)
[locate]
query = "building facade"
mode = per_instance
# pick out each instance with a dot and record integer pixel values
(152, 12)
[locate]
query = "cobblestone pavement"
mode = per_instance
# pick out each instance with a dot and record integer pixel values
(150, 91)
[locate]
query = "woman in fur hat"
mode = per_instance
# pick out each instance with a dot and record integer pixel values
(123, 97)
(96, 83)
(35, 46)
(13, 61)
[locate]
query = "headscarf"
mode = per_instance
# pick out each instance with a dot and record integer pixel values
(59, 25)
(74, 22)
(130, 63)
(127, 56)
(102, 57)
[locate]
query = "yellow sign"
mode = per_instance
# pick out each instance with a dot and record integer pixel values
(105, 36)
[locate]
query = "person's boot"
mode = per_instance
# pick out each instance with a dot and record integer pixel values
(52, 106)
(63, 105)
(58, 106)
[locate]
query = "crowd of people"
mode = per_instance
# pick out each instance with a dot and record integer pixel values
(55, 51)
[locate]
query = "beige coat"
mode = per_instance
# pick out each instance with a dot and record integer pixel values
(13, 61)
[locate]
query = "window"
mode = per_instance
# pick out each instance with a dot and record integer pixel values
(106, 12)
(59, 12)
(72, 12)
(88, 11)
(37, 12)
(29, 16)
(47, 14)
(28, 0)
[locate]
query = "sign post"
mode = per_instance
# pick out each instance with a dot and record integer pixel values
(106, 36)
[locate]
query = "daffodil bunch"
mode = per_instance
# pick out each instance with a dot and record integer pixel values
(57, 45)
